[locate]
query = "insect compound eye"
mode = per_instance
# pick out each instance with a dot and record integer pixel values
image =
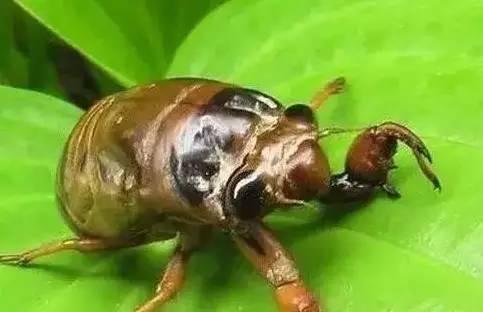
(247, 195)
(301, 112)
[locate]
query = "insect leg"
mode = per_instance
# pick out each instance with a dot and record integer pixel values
(275, 264)
(334, 87)
(370, 159)
(173, 276)
(79, 244)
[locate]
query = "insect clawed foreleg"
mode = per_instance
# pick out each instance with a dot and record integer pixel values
(370, 159)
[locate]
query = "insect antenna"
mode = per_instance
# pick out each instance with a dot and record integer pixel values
(331, 131)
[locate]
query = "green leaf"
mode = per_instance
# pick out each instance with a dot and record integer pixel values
(13, 67)
(132, 42)
(24, 59)
(416, 63)
(36, 42)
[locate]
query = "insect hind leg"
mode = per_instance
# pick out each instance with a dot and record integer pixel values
(83, 245)
(173, 276)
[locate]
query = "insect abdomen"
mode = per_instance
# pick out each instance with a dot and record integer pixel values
(108, 158)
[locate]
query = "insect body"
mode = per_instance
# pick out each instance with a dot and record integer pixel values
(186, 156)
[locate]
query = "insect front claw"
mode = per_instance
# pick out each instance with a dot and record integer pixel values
(371, 156)
(391, 191)
(423, 150)
(420, 151)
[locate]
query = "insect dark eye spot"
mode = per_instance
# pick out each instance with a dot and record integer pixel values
(301, 112)
(248, 195)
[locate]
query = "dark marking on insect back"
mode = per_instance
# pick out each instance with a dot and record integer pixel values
(247, 100)
(247, 195)
(182, 178)
(300, 112)
(207, 139)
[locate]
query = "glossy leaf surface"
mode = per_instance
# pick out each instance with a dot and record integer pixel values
(417, 63)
